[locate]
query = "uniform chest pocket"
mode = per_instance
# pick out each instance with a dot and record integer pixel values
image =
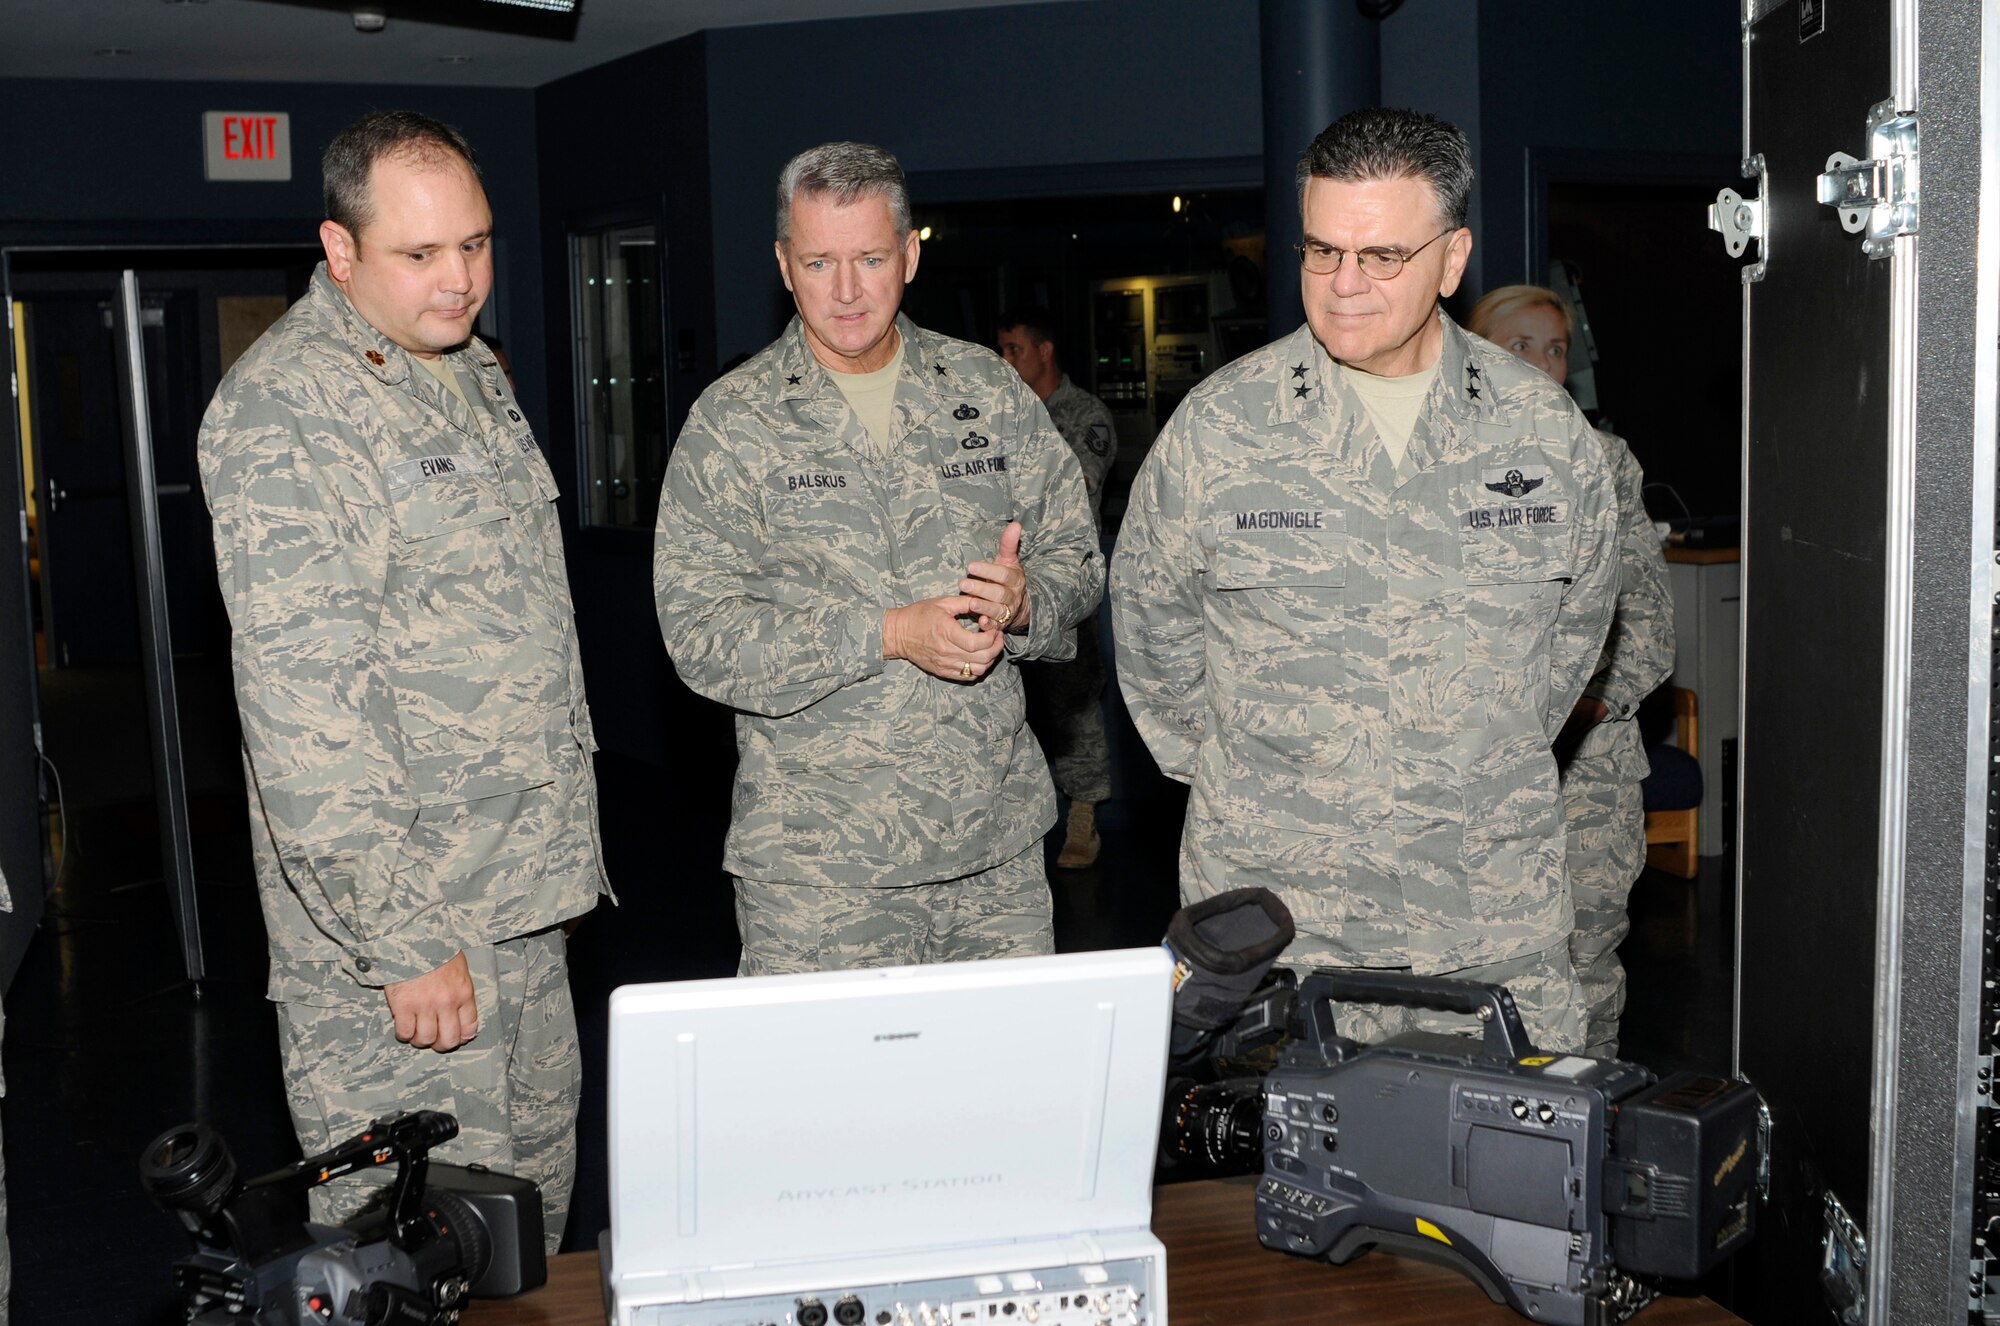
(436, 495)
(1309, 558)
(1515, 543)
(818, 501)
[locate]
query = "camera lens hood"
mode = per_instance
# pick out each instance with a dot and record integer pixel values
(189, 1168)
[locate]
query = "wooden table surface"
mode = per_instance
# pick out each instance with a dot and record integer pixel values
(1217, 1275)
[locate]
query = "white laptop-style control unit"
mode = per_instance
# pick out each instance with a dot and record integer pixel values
(913, 1146)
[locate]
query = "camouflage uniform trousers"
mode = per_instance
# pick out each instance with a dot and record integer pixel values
(514, 1087)
(1004, 912)
(1066, 713)
(1606, 819)
(1339, 927)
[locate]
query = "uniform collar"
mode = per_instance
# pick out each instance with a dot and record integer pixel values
(799, 375)
(1303, 376)
(1468, 389)
(371, 349)
(382, 357)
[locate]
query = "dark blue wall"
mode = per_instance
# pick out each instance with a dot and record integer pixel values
(627, 141)
(1589, 78)
(1006, 89)
(97, 161)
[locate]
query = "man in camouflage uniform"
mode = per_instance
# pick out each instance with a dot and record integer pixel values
(417, 748)
(1603, 753)
(863, 530)
(1603, 809)
(1064, 697)
(1363, 578)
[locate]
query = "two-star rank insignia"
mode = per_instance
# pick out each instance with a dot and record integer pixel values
(966, 412)
(1301, 390)
(1515, 484)
(1298, 370)
(375, 357)
(792, 379)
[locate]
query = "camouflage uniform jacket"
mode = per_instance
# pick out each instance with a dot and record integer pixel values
(1639, 652)
(784, 536)
(1360, 667)
(402, 638)
(1085, 423)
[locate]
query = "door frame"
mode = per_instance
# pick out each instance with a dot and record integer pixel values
(121, 244)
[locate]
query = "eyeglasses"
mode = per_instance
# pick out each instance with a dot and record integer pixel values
(1377, 264)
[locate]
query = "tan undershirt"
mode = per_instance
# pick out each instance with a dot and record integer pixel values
(442, 370)
(872, 397)
(1393, 403)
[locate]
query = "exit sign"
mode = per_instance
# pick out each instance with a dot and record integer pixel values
(246, 145)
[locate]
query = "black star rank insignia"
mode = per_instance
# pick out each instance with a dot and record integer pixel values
(1472, 370)
(1298, 370)
(939, 368)
(1472, 392)
(1300, 391)
(792, 379)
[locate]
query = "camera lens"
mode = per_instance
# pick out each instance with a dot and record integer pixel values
(457, 1219)
(1215, 1126)
(189, 1169)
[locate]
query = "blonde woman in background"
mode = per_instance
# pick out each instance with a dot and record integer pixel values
(1603, 814)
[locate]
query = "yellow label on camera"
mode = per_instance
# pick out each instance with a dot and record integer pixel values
(1428, 1230)
(1538, 1061)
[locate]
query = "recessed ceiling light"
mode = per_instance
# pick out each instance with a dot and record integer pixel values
(112, 52)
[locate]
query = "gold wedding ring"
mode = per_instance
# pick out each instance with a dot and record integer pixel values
(1005, 617)
(965, 671)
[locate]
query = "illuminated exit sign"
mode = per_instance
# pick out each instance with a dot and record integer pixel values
(246, 145)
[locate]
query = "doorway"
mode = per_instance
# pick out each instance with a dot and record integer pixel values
(134, 698)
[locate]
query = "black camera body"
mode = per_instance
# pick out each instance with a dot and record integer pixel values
(447, 1233)
(1564, 1185)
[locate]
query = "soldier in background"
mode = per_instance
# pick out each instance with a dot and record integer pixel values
(1605, 757)
(1064, 697)
(1363, 578)
(422, 805)
(863, 530)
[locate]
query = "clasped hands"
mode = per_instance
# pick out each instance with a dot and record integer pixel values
(958, 636)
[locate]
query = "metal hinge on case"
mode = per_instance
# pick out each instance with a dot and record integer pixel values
(1843, 1271)
(1743, 220)
(1878, 196)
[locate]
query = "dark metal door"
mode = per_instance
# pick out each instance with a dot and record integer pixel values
(1817, 420)
(89, 601)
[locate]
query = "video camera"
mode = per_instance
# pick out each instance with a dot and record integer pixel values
(447, 1232)
(1567, 1187)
